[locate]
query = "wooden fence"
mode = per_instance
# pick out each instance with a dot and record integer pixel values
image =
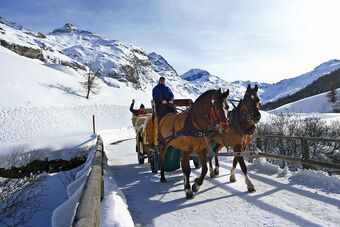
(305, 160)
(87, 213)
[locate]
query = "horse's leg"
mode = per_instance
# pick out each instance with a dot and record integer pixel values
(217, 166)
(215, 172)
(250, 185)
(199, 181)
(233, 170)
(237, 148)
(211, 169)
(186, 174)
(162, 160)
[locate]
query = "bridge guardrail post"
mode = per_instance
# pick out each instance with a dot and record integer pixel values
(305, 153)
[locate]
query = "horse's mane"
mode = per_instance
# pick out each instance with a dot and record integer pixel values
(206, 93)
(236, 110)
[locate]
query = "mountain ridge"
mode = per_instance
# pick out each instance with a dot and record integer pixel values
(118, 62)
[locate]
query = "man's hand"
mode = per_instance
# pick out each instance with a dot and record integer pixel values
(171, 101)
(164, 102)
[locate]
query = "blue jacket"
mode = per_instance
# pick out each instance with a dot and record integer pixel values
(162, 92)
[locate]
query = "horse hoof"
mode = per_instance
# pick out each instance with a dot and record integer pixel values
(189, 194)
(232, 179)
(212, 175)
(163, 180)
(216, 171)
(195, 187)
(251, 190)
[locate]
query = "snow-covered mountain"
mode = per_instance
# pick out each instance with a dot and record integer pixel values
(117, 62)
(120, 63)
(203, 80)
(113, 59)
(272, 92)
(178, 85)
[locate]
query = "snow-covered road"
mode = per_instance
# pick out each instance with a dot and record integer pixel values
(278, 201)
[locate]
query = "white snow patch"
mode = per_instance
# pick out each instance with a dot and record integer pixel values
(317, 179)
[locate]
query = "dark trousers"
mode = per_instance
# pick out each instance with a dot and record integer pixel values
(164, 109)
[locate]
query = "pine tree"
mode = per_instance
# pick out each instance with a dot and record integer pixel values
(331, 95)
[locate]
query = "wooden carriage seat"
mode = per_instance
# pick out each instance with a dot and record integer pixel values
(183, 102)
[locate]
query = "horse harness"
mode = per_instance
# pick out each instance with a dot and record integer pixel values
(235, 122)
(190, 130)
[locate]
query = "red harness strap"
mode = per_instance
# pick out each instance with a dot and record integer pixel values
(214, 120)
(224, 123)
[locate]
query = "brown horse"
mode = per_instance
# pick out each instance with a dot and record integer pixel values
(241, 127)
(192, 131)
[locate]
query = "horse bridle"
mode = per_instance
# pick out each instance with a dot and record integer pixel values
(214, 119)
(241, 112)
(245, 116)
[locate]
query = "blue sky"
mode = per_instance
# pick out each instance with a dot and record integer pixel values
(257, 40)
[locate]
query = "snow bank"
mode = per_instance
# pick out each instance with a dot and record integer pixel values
(81, 176)
(64, 214)
(114, 209)
(66, 148)
(260, 165)
(309, 178)
(317, 179)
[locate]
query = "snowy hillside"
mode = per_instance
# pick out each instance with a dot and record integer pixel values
(314, 104)
(41, 103)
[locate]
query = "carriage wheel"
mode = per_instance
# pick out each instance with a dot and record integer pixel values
(197, 164)
(154, 161)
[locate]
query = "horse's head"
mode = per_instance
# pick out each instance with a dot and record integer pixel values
(244, 117)
(251, 102)
(219, 107)
(212, 105)
(248, 110)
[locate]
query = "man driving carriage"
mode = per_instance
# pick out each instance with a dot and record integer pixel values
(163, 98)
